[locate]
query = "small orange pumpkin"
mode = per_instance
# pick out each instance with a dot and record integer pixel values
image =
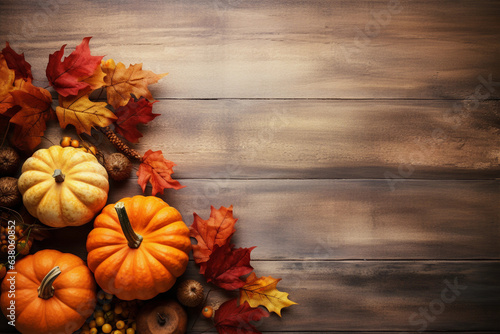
(48, 292)
(138, 247)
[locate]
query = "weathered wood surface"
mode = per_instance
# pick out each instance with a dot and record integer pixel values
(276, 49)
(364, 168)
(339, 219)
(324, 139)
(377, 296)
(366, 295)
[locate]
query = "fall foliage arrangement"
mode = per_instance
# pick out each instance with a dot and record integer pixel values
(139, 247)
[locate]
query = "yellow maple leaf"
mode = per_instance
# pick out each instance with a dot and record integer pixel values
(262, 291)
(7, 77)
(121, 82)
(7, 100)
(83, 113)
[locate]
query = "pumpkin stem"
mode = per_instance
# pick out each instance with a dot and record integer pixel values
(161, 318)
(134, 239)
(46, 290)
(58, 175)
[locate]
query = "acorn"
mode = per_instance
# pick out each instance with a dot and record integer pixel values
(9, 161)
(190, 293)
(118, 166)
(9, 192)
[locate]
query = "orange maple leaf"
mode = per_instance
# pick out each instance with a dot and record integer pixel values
(157, 170)
(35, 111)
(262, 291)
(121, 82)
(7, 77)
(83, 113)
(96, 80)
(6, 103)
(216, 230)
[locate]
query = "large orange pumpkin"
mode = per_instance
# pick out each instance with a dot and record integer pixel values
(48, 292)
(138, 247)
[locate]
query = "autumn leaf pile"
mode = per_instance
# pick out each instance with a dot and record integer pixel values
(25, 109)
(225, 266)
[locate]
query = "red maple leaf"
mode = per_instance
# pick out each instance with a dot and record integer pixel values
(17, 63)
(133, 113)
(226, 265)
(67, 76)
(233, 319)
(216, 230)
(157, 170)
(30, 120)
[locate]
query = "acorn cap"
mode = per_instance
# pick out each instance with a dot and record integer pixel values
(9, 192)
(118, 166)
(190, 293)
(9, 161)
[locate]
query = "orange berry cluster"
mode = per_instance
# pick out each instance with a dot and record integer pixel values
(68, 141)
(14, 235)
(13, 240)
(112, 315)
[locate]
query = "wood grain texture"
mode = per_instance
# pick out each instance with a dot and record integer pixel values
(357, 140)
(278, 49)
(335, 219)
(380, 296)
(323, 139)
(334, 296)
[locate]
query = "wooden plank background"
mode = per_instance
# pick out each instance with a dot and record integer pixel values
(357, 140)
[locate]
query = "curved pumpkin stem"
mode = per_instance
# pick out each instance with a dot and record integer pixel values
(58, 175)
(46, 290)
(134, 239)
(161, 318)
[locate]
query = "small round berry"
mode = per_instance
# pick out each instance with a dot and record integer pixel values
(207, 311)
(99, 321)
(75, 143)
(120, 324)
(22, 247)
(107, 328)
(100, 296)
(65, 141)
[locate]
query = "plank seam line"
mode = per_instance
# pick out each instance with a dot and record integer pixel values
(316, 99)
(494, 260)
(305, 99)
(367, 331)
(331, 179)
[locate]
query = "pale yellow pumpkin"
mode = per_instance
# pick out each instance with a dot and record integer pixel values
(63, 186)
